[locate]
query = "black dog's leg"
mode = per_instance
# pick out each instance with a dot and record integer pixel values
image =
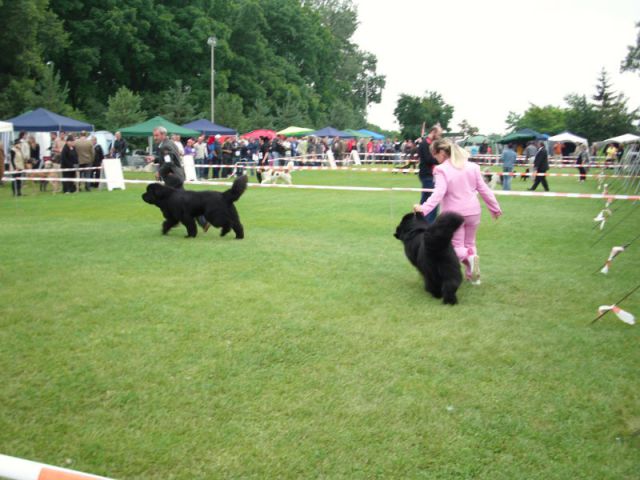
(449, 292)
(190, 223)
(238, 230)
(168, 224)
(433, 290)
(432, 284)
(225, 229)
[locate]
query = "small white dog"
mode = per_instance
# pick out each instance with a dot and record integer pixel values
(491, 178)
(273, 176)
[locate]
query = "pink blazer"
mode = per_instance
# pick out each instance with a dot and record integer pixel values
(457, 191)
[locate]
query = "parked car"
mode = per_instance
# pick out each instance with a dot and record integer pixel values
(137, 159)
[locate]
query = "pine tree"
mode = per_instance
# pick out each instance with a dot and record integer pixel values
(177, 106)
(124, 109)
(51, 94)
(604, 96)
(613, 115)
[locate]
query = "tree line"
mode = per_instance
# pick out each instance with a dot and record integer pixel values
(117, 62)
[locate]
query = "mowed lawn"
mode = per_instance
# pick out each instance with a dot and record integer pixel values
(310, 349)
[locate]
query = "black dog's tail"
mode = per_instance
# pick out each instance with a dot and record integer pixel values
(236, 190)
(439, 235)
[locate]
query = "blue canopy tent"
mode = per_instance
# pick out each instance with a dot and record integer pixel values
(374, 135)
(42, 120)
(208, 128)
(330, 132)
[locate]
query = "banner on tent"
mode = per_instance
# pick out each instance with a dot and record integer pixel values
(189, 168)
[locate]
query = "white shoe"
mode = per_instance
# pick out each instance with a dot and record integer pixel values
(474, 263)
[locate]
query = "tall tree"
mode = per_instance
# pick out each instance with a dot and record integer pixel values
(275, 53)
(260, 116)
(176, 103)
(631, 63)
(124, 109)
(582, 118)
(603, 97)
(411, 112)
(513, 120)
(548, 119)
(467, 129)
(25, 26)
(229, 111)
(291, 112)
(51, 94)
(614, 116)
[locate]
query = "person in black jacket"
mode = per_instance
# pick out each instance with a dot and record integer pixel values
(98, 156)
(69, 159)
(427, 162)
(541, 165)
(167, 159)
(119, 148)
(263, 157)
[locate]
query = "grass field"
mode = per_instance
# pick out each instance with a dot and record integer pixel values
(309, 349)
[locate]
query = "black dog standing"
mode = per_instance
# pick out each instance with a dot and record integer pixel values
(428, 248)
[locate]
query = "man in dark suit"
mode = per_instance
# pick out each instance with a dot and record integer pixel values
(98, 156)
(541, 165)
(167, 159)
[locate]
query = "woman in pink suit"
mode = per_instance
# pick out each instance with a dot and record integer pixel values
(458, 183)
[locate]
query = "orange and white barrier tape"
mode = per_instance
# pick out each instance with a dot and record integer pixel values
(14, 468)
(587, 165)
(615, 251)
(512, 193)
(565, 159)
(623, 315)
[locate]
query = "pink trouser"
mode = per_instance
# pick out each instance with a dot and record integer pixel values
(464, 240)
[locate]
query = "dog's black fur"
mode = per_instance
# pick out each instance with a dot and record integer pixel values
(428, 248)
(524, 175)
(184, 206)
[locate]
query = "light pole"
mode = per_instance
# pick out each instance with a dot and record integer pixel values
(211, 41)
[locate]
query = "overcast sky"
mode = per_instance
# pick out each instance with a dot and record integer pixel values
(491, 56)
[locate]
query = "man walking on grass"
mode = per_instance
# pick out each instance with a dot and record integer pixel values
(541, 165)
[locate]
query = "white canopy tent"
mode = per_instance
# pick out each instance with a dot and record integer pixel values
(626, 138)
(6, 127)
(5, 137)
(568, 137)
(104, 138)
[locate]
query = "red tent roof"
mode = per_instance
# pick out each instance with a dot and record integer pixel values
(260, 133)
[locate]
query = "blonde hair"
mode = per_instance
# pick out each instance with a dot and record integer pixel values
(457, 155)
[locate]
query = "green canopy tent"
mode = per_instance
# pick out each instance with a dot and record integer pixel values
(475, 140)
(145, 129)
(295, 131)
(522, 136)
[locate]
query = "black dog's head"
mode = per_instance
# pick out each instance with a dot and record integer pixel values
(436, 236)
(410, 224)
(156, 193)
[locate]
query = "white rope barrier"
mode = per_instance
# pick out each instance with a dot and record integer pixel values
(604, 196)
